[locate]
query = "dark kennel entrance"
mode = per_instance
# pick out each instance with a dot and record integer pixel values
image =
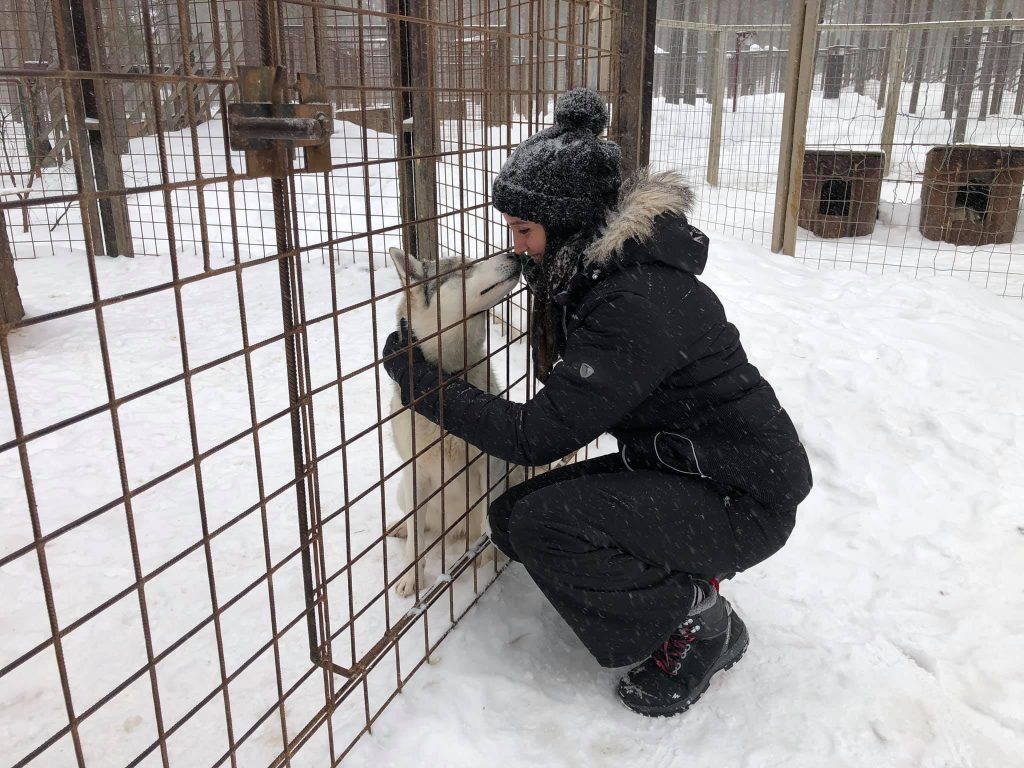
(839, 192)
(971, 194)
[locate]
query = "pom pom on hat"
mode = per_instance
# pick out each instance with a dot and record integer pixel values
(565, 177)
(581, 109)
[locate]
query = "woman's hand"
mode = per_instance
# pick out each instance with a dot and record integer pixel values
(395, 358)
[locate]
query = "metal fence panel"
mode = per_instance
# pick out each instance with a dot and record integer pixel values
(197, 467)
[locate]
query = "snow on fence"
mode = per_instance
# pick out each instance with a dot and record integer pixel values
(197, 470)
(927, 107)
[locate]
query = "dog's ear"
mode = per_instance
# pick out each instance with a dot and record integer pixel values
(409, 268)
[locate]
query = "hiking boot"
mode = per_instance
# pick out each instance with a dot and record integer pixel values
(712, 638)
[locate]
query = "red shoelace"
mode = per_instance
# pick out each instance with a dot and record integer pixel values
(672, 650)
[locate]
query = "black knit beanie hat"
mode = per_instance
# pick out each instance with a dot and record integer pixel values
(564, 177)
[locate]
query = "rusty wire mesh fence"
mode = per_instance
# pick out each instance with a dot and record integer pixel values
(910, 112)
(198, 470)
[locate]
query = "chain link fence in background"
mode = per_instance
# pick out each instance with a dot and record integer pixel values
(910, 112)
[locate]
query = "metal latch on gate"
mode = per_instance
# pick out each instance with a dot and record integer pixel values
(267, 126)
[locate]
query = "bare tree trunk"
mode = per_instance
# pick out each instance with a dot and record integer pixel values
(991, 50)
(900, 10)
(965, 90)
(674, 70)
(1018, 103)
(1000, 68)
(865, 41)
(250, 34)
(953, 74)
(922, 49)
(691, 56)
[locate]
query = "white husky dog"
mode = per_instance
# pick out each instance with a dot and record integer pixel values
(454, 296)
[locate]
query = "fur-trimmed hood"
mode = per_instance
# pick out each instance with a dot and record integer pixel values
(649, 225)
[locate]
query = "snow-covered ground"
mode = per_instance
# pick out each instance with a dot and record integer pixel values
(887, 633)
(57, 367)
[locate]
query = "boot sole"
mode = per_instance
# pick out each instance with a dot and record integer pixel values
(727, 660)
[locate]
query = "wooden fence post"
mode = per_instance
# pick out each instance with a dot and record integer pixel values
(414, 51)
(631, 111)
(897, 60)
(799, 78)
(717, 98)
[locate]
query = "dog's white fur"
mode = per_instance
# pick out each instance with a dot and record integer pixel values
(453, 296)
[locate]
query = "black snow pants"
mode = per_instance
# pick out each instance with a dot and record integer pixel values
(614, 550)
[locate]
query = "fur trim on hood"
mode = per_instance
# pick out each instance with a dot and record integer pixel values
(641, 200)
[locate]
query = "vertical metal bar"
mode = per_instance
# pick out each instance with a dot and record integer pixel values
(369, 225)
(185, 39)
(253, 417)
(309, 462)
(267, 24)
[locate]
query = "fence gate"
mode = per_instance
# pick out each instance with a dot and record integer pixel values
(197, 473)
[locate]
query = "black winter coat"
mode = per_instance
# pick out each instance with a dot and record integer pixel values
(649, 357)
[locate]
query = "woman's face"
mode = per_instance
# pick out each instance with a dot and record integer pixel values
(528, 237)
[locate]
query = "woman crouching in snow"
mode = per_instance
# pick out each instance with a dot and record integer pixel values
(628, 547)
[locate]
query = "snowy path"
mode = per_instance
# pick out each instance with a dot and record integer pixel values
(888, 633)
